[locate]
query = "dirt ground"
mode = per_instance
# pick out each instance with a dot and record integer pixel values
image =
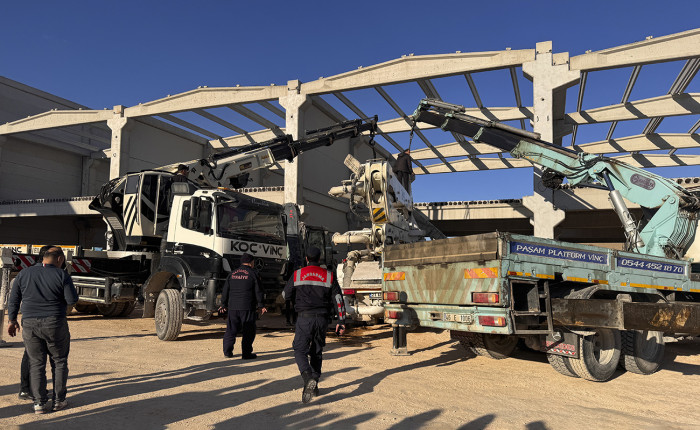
(122, 376)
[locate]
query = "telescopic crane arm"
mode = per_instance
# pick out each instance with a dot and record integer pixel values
(672, 210)
(234, 165)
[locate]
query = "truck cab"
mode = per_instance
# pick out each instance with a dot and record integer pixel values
(208, 232)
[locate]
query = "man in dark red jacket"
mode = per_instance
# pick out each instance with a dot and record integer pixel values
(242, 298)
(317, 294)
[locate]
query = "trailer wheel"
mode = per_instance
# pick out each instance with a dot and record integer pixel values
(561, 365)
(642, 351)
(496, 346)
(112, 309)
(168, 314)
(128, 309)
(599, 355)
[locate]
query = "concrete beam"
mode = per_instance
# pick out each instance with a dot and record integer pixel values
(60, 141)
(474, 164)
(454, 149)
(204, 98)
(643, 142)
(327, 109)
(409, 68)
(175, 131)
(243, 139)
(660, 160)
(55, 118)
(677, 46)
(189, 125)
(662, 106)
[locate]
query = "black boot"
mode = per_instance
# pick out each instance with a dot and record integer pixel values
(309, 387)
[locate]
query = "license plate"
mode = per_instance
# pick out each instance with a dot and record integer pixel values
(459, 318)
(375, 295)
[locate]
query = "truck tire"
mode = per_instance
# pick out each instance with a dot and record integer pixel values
(112, 309)
(642, 351)
(85, 308)
(561, 364)
(128, 309)
(168, 314)
(496, 346)
(599, 355)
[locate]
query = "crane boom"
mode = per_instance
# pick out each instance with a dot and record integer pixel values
(672, 211)
(230, 168)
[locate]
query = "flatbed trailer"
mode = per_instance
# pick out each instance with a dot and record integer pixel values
(587, 307)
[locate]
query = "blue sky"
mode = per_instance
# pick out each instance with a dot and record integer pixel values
(103, 54)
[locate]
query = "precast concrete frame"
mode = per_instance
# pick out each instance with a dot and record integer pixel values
(301, 106)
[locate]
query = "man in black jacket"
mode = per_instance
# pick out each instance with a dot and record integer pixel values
(317, 294)
(404, 170)
(182, 172)
(44, 293)
(25, 391)
(241, 297)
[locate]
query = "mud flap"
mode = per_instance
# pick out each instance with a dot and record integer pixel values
(563, 343)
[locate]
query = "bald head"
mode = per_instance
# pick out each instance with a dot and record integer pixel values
(54, 256)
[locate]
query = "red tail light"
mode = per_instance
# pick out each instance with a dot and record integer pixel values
(492, 321)
(392, 315)
(485, 297)
(348, 292)
(391, 296)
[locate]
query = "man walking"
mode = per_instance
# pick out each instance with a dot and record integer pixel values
(241, 297)
(404, 170)
(43, 293)
(25, 391)
(317, 294)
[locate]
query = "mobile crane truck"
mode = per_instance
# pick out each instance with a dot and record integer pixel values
(589, 308)
(173, 243)
(375, 195)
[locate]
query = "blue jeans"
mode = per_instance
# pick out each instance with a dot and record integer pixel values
(25, 385)
(43, 336)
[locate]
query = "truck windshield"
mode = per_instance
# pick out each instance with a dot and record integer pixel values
(241, 221)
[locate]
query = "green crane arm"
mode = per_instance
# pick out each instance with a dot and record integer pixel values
(674, 211)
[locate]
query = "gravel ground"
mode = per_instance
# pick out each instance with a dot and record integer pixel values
(122, 376)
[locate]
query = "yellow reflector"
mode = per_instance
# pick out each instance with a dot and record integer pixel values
(395, 276)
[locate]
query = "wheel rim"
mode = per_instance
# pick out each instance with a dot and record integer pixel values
(161, 312)
(604, 346)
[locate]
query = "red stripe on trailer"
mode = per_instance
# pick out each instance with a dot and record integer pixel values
(81, 265)
(22, 261)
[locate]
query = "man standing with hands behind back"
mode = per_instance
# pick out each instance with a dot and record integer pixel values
(44, 292)
(241, 296)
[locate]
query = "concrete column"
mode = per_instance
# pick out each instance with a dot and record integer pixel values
(119, 162)
(551, 77)
(85, 179)
(294, 104)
